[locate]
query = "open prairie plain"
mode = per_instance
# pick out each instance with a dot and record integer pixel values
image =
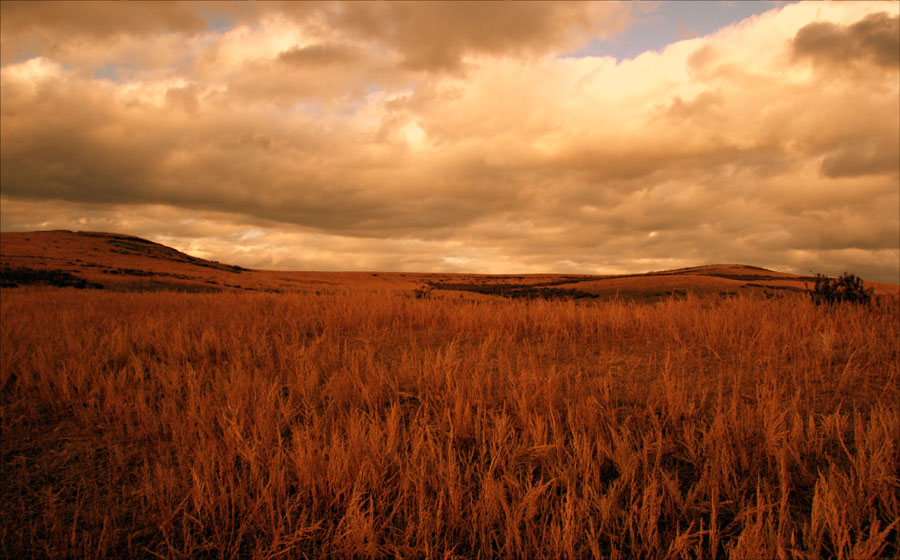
(376, 415)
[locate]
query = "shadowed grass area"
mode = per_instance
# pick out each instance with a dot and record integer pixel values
(374, 425)
(13, 277)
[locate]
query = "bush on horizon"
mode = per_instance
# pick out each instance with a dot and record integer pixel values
(846, 288)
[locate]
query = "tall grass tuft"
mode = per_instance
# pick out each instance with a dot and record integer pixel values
(371, 425)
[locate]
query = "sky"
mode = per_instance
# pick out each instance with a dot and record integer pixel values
(595, 138)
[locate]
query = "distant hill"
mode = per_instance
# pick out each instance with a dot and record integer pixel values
(105, 260)
(111, 261)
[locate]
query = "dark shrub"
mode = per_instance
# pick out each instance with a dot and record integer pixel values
(424, 292)
(847, 287)
(13, 277)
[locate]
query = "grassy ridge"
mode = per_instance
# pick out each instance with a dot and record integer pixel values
(376, 425)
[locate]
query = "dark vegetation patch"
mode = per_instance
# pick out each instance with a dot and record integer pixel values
(157, 286)
(541, 290)
(848, 288)
(307, 281)
(518, 291)
(13, 277)
(669, 293)
(548, 290)
(491, 282)
(761, 277)
(770, 287)
(139, 272)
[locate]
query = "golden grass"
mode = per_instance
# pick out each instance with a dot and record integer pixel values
(372, 425)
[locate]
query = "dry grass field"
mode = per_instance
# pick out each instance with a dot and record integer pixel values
(368, 423)
(157, 405)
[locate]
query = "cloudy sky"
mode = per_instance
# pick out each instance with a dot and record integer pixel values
(502, 138)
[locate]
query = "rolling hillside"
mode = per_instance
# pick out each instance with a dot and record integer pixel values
(110, 261)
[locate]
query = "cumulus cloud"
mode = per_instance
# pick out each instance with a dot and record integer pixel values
(436, 36)
(874, 39)
(459, 137)
(431, 36)
(59, 21)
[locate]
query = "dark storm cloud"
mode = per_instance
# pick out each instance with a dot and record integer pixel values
(434, 36)
(874, 39)
(430, 36)
(97, 19)
(139, 152)
(45, 27)
(873, 157)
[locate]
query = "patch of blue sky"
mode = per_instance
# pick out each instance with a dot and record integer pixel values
(310, 108)
(118, 71)
(108, 71)
(24, 56)
(667, 22)
(216, 21)
(369, 89)
(350, 104)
